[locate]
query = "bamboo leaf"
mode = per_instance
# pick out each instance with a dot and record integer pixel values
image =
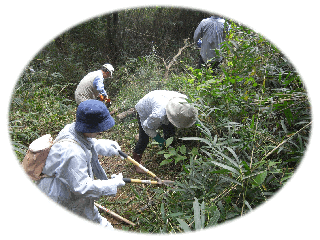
(197, 139)
(213, 221)
(233, 153)
(252, 123)
(226, 167)
(196, 210)
(162, 211)
(231, 180)
(248, 205)
(183, 225)
(202, 214)
(215, 140)
(228, 158)
(284, 126)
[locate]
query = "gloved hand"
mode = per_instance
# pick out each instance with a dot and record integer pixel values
(118, 179)
(102, 98)
(106, 147)
(199, 43)
(160, 140)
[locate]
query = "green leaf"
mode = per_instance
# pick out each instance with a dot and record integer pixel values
(215, 140)
(136, 193)
(197, 139)
(259, 179)
(213, 221)
(231, 180)
(246, 166)
(162, 152)
(183, 149)
(172, 151)
(284, 126)
(252, 123)
(169, 141)
(229, 159)
(202, 208)
(271, 163)
(248, 205)
(194, 151)
(179, 158)
(164, 162)
(167, 155)
(175, 214)
(233, 153)
(184, 225)
(196, 210)
(162, 211)
(226, 167)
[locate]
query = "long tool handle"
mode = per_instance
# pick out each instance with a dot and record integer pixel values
(114, 214)
(130, 180)
(137, 164)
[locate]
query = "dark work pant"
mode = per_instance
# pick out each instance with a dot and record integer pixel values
(168, 131)
(214, 65)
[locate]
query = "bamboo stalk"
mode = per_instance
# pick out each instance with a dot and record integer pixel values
(283, 142)
(114, 214)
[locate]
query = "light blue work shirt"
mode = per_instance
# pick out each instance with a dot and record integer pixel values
(71, 168)
(212, 32)
(98, 84)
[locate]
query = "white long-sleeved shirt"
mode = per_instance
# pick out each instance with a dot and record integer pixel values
(72, 183)
(152, 110)
(211, 30)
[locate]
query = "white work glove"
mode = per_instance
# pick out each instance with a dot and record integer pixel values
(106, 147)
(118, 178)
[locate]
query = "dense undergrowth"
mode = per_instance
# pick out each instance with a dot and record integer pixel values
(253, 129)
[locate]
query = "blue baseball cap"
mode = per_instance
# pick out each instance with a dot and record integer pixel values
(93, 116)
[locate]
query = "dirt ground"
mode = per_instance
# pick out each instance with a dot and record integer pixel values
(132, 199)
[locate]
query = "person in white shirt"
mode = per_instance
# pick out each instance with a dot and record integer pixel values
(161, 109)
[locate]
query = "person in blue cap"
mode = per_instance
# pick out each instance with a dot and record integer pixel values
(73, 162)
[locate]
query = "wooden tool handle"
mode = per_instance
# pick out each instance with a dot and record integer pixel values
(136, 163)
(130, 180)
(114, 214)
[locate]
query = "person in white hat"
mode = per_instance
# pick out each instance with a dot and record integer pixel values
(92, 85)
(161, 109)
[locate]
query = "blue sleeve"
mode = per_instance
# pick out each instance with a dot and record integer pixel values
(99, 86)
(198, 32)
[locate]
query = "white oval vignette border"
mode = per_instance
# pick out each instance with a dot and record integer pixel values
(27, 26)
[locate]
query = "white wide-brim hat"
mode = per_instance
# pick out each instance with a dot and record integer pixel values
(180, 113)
